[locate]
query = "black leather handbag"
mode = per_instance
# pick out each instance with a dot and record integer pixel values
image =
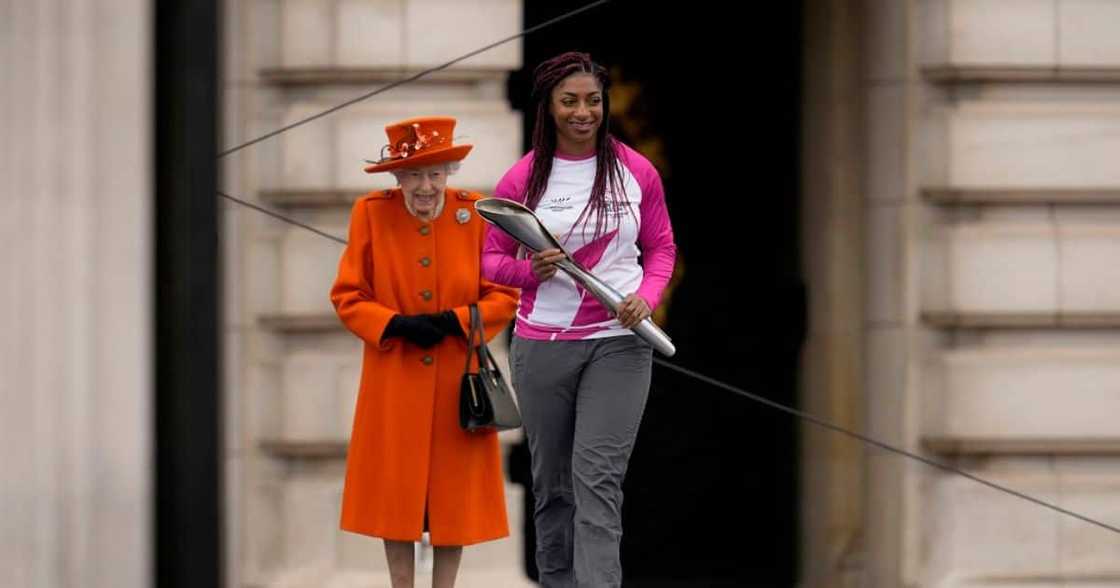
(485, 400)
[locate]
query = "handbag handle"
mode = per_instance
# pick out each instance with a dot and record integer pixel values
(484, 357)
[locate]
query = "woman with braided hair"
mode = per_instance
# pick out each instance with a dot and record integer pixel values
(581, 375)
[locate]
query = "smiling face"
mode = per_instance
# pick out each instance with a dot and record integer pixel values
(577, 110)
(423, 189)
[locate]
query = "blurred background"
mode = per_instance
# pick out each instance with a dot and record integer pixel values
(901, 216)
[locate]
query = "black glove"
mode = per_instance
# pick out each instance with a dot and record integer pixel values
(447, 323)
(418, 329)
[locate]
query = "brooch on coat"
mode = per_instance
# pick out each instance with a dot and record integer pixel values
(463, 215)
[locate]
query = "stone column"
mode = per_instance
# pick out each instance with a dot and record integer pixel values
(75, 252)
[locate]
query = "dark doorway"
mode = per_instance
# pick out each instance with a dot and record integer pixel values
(714, 100)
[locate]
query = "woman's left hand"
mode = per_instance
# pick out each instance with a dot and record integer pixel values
(632, 311)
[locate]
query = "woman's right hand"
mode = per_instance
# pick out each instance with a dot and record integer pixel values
(544, 263)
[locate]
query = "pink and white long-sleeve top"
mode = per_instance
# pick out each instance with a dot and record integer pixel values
(558, 309)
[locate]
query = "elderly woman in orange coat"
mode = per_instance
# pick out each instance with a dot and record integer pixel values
(405, 285)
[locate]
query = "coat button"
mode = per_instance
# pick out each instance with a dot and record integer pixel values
(463, 194)
(425, 229)
(426, 294)
(427, 360)
(424, 261)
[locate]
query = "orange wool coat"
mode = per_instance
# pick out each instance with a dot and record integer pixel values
(407, 451)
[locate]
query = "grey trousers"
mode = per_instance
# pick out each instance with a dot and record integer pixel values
(581, 403)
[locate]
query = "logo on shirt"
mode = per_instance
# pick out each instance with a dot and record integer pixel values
(557, 204)
(618, 209)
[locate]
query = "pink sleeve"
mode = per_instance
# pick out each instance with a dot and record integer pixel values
(499, 254)
(655, 236)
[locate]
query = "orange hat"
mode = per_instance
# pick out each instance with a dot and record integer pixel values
(417, 142)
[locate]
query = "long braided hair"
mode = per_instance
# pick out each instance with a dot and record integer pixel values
(607, 193)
